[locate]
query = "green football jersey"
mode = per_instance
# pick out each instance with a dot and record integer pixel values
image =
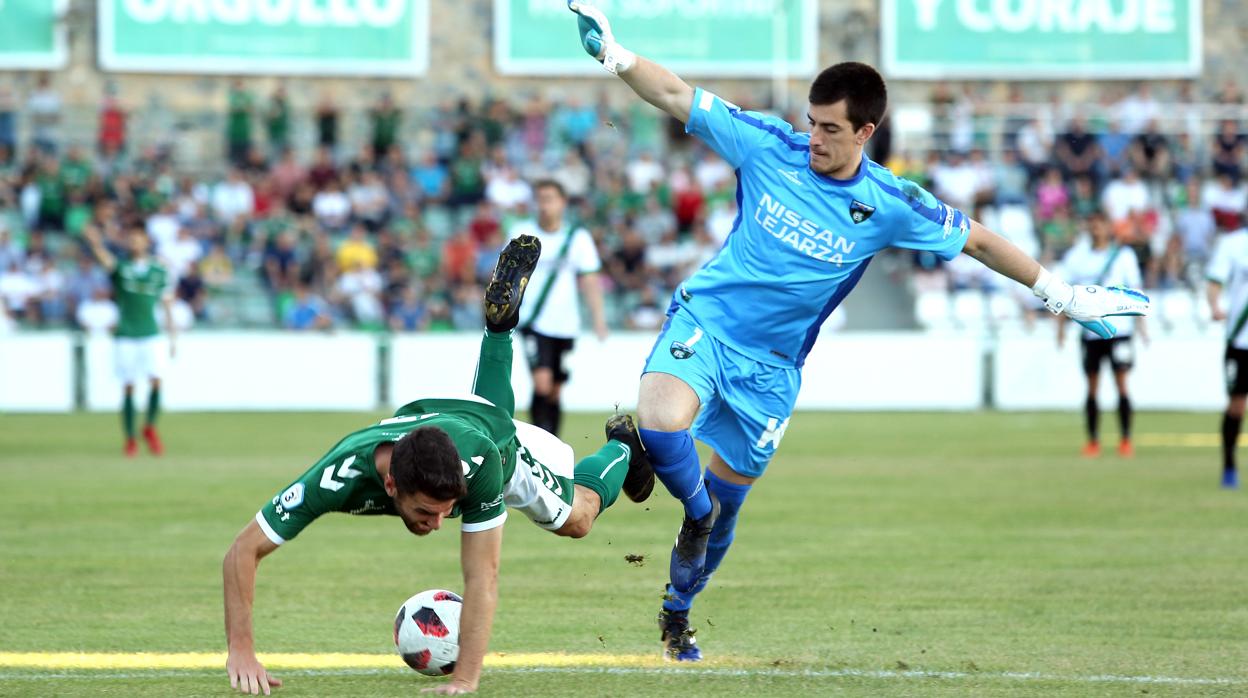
(138, 286)
(346, 480)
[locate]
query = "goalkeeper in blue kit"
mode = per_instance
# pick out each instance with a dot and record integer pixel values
(813, 211)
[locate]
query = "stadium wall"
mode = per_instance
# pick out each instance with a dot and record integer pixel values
(251, 371)
(1171, 373)
(37, 373)
(275, 371)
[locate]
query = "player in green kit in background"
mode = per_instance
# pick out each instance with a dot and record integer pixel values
(138, 284)
(441, 458)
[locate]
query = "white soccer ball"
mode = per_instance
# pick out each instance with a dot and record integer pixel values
(426, 631)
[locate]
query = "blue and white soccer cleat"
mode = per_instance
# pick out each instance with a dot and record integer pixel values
(679, 643)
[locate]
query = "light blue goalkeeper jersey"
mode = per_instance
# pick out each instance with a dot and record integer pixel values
(801, 240)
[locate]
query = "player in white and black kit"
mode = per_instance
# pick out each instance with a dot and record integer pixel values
(1228, 269)
(551, 317)
(1097, 259)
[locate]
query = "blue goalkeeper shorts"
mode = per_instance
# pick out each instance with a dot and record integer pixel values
(746, 404)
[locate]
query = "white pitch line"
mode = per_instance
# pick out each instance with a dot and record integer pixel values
(628, 671)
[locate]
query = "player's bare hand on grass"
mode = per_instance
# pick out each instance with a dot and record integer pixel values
(453, 688)
(248, 675)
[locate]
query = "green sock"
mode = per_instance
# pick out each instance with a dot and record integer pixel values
(127, 415)
(493, 379)
(604, 472)
(153, 406)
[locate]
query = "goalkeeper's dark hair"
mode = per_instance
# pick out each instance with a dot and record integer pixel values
(551, 184)
(860, 85)
(426, 461)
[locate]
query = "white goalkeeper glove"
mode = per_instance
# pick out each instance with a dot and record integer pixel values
(1089, 305)
(597, 39)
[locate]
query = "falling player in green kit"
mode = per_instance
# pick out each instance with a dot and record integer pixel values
(138, 284)
(441, 458)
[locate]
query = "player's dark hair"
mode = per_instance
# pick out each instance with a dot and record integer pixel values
(552, 184)
(860, 85)
(426, 461)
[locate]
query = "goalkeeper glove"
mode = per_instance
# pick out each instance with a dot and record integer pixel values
(1089, 305)
(597, 39)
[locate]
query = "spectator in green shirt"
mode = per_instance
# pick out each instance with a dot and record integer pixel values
(277, 122)
(466, 175)
(238, 123)
(386, 117)
(327, 122)
(424, 256)
(76, 170)
(52, 195)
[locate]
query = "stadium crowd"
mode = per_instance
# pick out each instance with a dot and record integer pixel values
(401, 232)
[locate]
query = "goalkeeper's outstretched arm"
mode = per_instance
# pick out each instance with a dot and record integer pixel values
(1001, 255)
(651, 81)
(660, 87)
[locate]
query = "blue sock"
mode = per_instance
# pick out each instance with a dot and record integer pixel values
(731, 497)
(675, 462)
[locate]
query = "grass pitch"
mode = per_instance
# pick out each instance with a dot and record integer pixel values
(882, 555)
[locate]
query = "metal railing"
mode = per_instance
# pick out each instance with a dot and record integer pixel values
(198, 142)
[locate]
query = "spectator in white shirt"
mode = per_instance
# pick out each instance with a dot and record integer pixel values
(44, 107)
(98, 314)
(332, 207)
(369, 200)
(956, 183)
(644, 172)
(711, 171)
(1035, 144)
(233, 197)
(1137, 109)
(17, 289)
(985, 176)
(50, 292)
(507, 191)
(574, 175)
(1125, 196)
(962, 120)
(1195, 227)
(182, 253)
(162, 227)
(359, 288)
(10, 251)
